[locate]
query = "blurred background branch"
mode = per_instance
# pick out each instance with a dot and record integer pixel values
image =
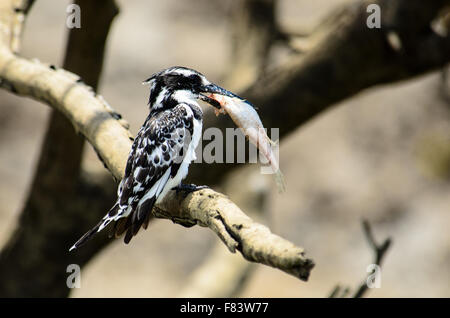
(59, 170)
(60, 202)
(345, 57)
(379, 251)
(253, 32)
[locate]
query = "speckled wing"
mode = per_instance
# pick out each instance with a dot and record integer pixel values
(160, 147)
(156, 155)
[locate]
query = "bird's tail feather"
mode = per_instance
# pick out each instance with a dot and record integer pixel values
(139, 218)
(129, 224)
(120, 226)
(133, 222)
(103, 222)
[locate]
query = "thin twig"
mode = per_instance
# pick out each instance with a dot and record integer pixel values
(21, 11)
(379, 253)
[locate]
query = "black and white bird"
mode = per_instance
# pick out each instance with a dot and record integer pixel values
(162, 150)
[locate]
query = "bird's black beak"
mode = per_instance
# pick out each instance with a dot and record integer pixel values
(214, 89)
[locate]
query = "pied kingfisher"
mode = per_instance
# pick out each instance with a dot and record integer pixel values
(162, 150)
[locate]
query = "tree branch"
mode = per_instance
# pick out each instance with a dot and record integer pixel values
(344, 57)
(57, 179)
(97, 122)
(21, 10)
(223, 274)
(89, 113)
(238, 231)
(93, 118)
(253, 31)
(379, 251)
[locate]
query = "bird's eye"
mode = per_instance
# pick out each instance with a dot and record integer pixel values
(195, 80)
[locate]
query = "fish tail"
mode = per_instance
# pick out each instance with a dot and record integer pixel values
(279, 180)
(273, 143)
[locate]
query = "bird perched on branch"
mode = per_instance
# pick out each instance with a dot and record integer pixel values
(162, 150)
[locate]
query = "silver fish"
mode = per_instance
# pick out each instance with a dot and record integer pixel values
(247, 119)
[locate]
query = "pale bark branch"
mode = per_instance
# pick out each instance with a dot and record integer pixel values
(58, 178)
(250, 190)
(93, 118)
(238, 231)
(21, 10)
(379, 251)
(89, 113)
(97, 122)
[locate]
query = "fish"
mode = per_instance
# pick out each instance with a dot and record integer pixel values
(244, 115)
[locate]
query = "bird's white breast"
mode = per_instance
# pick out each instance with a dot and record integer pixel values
(189, 157)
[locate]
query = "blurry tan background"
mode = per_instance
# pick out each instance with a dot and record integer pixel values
(383, 155)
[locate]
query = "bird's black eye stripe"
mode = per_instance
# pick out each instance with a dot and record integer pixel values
(194, 82)
(180, 81)
(195, 78)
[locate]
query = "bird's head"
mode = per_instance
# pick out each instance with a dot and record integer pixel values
(179, 84)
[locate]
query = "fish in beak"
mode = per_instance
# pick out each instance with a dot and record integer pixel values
(207, 94)
(244, 115)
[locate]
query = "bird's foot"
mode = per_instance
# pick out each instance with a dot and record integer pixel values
(188, 188)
